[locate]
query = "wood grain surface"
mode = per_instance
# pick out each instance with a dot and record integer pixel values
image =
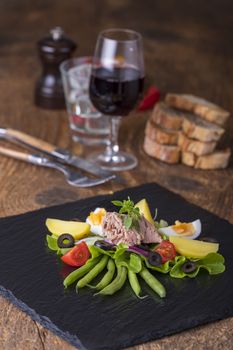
(188, 49)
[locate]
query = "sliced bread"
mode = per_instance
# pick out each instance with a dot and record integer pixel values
(197, 128)
(188, 158)
(166, 153)
(200, 106)
(215, 160)
(199, 148)
(167, 117)
(161, 135)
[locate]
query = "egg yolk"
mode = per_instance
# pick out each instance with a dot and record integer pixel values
(183, 228)
(97, 218)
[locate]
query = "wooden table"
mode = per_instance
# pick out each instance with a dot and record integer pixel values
(187, 49)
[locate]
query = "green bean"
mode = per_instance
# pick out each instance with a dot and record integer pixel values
(108, 275)
(133, 281)
(80, 272)
(93, 273)
(153, 282)
(117, 283)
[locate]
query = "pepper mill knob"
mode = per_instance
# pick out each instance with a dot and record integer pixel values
(53, 50)
(57, 33)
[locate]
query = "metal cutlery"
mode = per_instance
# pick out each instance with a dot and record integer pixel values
(74, 178)
(60, 154)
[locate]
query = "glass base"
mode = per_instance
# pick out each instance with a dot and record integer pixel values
(118, 162)
(88, 141)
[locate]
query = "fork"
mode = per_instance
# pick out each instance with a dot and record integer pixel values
(73, 177)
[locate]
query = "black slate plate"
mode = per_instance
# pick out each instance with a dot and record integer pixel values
(31, 277)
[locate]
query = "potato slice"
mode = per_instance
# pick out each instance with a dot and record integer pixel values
(193, 248)
(145, 210)
(77, 229)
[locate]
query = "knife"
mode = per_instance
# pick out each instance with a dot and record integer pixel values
(60, 154)
(73, 177)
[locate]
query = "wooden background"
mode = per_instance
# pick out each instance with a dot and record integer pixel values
(188, 48)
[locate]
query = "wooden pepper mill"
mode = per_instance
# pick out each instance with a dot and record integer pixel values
(53, 50)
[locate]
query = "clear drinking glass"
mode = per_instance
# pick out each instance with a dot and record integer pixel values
(87, 125)
(116, 83)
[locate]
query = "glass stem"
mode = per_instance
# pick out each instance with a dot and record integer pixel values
(113, 148)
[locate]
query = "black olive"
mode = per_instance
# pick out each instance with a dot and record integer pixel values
(208, 239)
(155, 259)
(65, 241)
(104, 245)
(188, 266)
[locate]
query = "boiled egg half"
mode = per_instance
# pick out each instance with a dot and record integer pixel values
(190, 230)
(95, 220)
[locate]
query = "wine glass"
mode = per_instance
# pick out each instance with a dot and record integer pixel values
(116, 83)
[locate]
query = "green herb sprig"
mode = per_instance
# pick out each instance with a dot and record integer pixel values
(132, 214)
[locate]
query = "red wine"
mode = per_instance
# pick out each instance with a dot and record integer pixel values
(115, 92)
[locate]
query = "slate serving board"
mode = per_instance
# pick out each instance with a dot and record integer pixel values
(31, 277)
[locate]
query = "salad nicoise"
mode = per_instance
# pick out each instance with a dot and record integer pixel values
(111, 247)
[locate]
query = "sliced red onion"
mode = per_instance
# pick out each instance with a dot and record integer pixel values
(139, 251)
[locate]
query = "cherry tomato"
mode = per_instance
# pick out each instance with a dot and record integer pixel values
(167, 251)
(77, 256)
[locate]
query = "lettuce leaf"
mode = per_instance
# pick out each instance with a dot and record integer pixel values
(132, 261)
(63, 251)
(164, 268)
(52, 245)
(52, 242)
(213, 263)
(120, 249)
(176, 271)
(96, 251)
